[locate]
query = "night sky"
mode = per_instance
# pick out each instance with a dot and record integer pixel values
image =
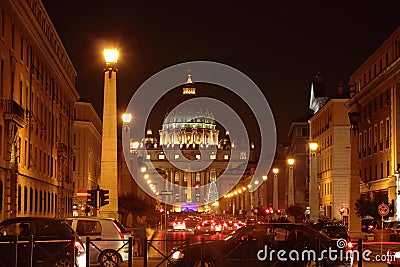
(281, 46)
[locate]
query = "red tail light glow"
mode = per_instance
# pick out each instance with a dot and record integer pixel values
(79, 246)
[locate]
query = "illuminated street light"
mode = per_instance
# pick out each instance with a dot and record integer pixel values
(146, 176)
(143, 169)
(265, 177)
(275, 204)
(313, 186)
(290, 162)
(256, 182)
(111, 56)
(126, 117)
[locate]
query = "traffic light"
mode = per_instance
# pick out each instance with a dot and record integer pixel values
(91, 199)
(104, 197)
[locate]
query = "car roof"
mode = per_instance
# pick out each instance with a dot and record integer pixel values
(30, 219)
(90, 218)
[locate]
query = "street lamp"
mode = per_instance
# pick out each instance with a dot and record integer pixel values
(290, 162)
(109, 149)
(354, 222)
(275, 205)
(264, 195)
(313, 187)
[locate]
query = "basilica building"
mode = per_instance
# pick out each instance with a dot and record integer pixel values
(190, 133)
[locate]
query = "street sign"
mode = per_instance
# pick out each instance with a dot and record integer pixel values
(81, 194)
(383, 209)
(166, 193)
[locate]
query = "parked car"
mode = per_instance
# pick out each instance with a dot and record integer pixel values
(205, 227)
(107, 253)
(243, 246)
(54, 243)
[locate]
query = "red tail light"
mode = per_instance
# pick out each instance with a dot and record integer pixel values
(79, 246)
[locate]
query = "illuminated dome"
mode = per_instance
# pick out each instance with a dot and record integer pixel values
(189, 125)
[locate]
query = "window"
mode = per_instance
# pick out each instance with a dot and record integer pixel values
(44, 201)
(381, 136)
(30, 200)
(381, 170)
(161, 156)
(88, 228)
(12, 36)
(36, 200)
(198, 156)
(19, 198)
(40, 201)
(242, 155)
(25, 199)
(176, 179)
(387, 97)
(387, 133)
(197, 177)
(387, 168)
(226, 156)
(213, 156)
(148, 156)
(3, 22)
(74, 163)
(13, 229)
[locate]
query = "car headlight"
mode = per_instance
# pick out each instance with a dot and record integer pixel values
(177, 255)
(397, 254)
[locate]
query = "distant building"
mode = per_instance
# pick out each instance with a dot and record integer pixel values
(37, 92)
(318, 96)
(86, 143)
(374, 94)
(298, 150)
(191, 129)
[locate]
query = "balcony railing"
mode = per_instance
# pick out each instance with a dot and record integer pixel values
(13, 111)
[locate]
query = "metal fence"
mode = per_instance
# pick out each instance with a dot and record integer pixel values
(28, 251)
(241, 258)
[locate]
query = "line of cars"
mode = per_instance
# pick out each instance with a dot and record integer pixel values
(62, 242)
(200, 225)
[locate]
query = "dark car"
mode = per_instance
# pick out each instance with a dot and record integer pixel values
(205, 227)
(259, 245)
(336, 232)
(54, 243)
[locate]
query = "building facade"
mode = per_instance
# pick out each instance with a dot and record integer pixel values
(330, 128)
(298, 150)
(189, 130)
(86, 144)
(37, 91)
(374, 91)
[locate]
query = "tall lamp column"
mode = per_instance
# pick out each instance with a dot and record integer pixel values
(109, 163)
(313, 187)
(275, 205)
(290, 183)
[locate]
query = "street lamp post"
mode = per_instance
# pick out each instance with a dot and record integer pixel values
(354, 225)
(109, 163)
(265, 200)
(313, 187)
(290, 162)
(275, 205)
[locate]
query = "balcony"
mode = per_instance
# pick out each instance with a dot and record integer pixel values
(14, 112)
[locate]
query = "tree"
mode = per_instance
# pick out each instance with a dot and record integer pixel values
(297, 212)
(365, 206)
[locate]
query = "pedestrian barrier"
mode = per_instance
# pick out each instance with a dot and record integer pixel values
(26, 251)
(108, 257)
(180, 243)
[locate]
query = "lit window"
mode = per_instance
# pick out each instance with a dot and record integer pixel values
(226, 156)
(176, 156)
(242, 155)
(198, 156)
(147, 156)
(213, 156)
(161, 156)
